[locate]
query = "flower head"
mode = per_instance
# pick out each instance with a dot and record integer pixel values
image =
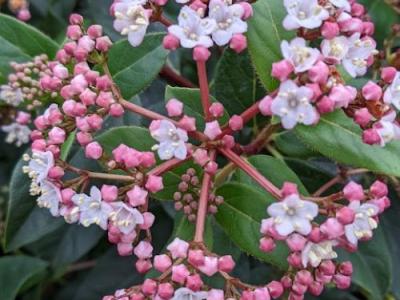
(39, 165)
(293, 105)
(335, 49)
(293, 215)
(188, 294)
(171, 140)
(344, 4)
(10, 95)
(392, 93)
(193, 30)
(17, 133)
(125, 218)
(304, 13)
(314, 254)
(301, 56)
(50, 197)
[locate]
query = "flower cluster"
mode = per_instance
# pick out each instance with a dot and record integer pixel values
(311, 82)
(23, 97)
(20, 8)
(311, 245)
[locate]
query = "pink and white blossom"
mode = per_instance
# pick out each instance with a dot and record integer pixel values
(188, 294)
(17, 134)
(304, 13)
(125, 218)
(392, 93)
(301, 56)
(11, 96)
(50, 197)
(314, 253)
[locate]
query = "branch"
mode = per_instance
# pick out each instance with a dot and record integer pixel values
(173, 77)
(167, 166)
(204, 89)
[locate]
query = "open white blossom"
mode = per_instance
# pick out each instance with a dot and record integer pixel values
(92, 209)
(125, 218)
(363, 223)
(132, 20)
(343, 4)
(171, 141)
(228, 19)
(388, 129)
(314, 254)
(10, 95)
(50, 197)
(188, 294)
(301, 56)
(38, 168)
(304, 13)
(17, 133)
(293, 215)
(392, 93)
(193, 30)
(360, 50)
(335, 49)
(292, 105)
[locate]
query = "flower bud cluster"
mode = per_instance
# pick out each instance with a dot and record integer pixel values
(20, 8)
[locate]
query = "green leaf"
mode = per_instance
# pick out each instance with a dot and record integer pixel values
(289, 144)
(240, 216)
(25, 221)
(192, 104)
(67, 146)
(133, 69)
(339, 138)
(17, 271)
(237, 88)
(20, 42)
(264, 35)
(372, 266)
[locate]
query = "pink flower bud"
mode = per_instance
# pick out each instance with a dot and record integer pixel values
(109, 193)
(371, 136)
(93, 150)
(388, 74)
(329, 30)
(327, 267)
(296, 242)
(55, 149)
(342, 95)
(321, 277)
(294, 259)
(103, 44)
(174, 107)
(197, 5)
(56, 172)
(162, 262)
(60, 71)
(147, 159)
(39, 145)
(188, 123)
(95, 31)
(66, 195)
(286, 282)
(236, 123)
(194, 282)
(143, 250)
(154, 184)
(282, 69)
(210, 266)
(165, 290)
(346, 268)
(351, 25)
(179, 273)
(196, 257)
(357, 10)
(316, 288)
(212, 130)
(247, 10)
(137, 196)
(23, 118)
(289, 188)
(372, 91)
(211, 167)
(74, 32)
(82, 124)
(67, 92)
(368, 28)
(378, 189)
(265, 106)
(56, 136)
(362, 117)
(247, 295)
(304, 277)
(316, 89)
(267, 244)
(275, 289)
(353, 191)
(332, 228)
(143, 266)
(238, 43)
(125, 249)
(200, 156)
(62, 56)
(86, 43)
(170, 42)
(319, 73)
(216, 110)
(105, 99)
(81, 68)
(75, 19)
(201, 54)
(315, 235)
(299, 289)
(345, 215)
(149, 287)
(215, 294)
(70, 48)
(79, 84)
(81, 54)
(116, 110)
(148, 221)
(226, 263)
(261, 294)
(228, 141)
(91, 76)
(178, 248)
(103, 83)
(88, 97)
(95, 122)
(342, 282)
(24, 15)
(160, 2)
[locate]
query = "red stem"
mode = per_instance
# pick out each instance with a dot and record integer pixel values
(203, 202)
(167, 166)
(204, 88)
(252, 172)
(172, 77)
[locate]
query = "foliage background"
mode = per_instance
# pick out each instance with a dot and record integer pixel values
(44, 258)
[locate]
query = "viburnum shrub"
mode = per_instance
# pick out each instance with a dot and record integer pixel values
(200, 152)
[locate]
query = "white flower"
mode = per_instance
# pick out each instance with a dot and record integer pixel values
(387, 128)
(335, 49)
(38, 168)
(392, 93)
(125, 218)
(304, 13)
(17, 133)
(293, 105)
(50, 197)
(188, 294)
(192, 30)
(356, 60)
(132, 19)
(92, 209)
(344, 4)
(10, 95)
(314, 254)
(301, 56)
(228, 19)
(172, 141)
(363, 223)
(293, 215)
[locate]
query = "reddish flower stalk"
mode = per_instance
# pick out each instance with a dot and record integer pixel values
(167, 166)
(252, 172)
(203, 201)
(173, 77)
(204, 88)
